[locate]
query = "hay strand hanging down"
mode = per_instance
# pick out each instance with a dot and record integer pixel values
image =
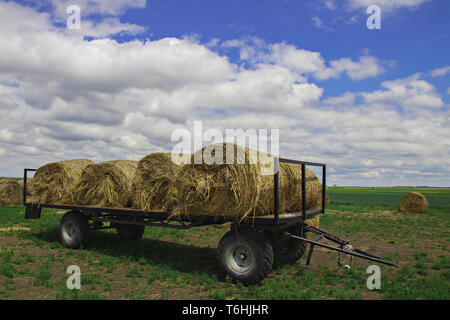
(55, 181)
(156, 174)
(414, 202)
(106, 184)
(315, 222)
(10, 192)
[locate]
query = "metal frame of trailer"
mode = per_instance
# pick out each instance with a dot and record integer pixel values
(281, 226)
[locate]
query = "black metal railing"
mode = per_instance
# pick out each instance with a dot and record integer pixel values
(25, 178)
(276, 183)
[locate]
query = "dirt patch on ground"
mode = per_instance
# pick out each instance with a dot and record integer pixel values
(16, 227)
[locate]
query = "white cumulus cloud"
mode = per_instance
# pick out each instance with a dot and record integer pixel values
(64, 97)
(387, 5)
(304, 61)
(410, 92)
(440, 71)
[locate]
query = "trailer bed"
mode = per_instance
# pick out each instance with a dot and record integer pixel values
(275, 220)
(33, 211)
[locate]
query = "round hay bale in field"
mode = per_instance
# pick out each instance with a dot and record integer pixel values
(106, 184)
(155, 174)
(414, 202)
(238, 188)
(10, 192)
(55, 181)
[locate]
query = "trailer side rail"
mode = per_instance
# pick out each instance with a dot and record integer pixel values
(25, 178)
(276, 182)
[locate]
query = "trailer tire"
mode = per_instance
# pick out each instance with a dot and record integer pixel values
(129, 232)
(291, 250)
(246, 256)
(74, 229)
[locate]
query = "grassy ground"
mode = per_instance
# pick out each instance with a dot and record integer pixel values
(178, 264)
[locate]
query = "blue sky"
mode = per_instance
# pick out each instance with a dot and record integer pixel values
(373, 104)
(416, 38)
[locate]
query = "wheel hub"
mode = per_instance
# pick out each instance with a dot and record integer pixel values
(69, 230)
(240, 258)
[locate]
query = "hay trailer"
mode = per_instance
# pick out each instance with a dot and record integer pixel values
(246, 253)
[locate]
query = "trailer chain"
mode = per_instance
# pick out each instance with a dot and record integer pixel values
(347, 257)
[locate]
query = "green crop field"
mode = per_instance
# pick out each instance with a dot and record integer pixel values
(438, 198)
(180, 264)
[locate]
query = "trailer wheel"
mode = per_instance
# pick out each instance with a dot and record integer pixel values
(129, 232)
(245, 255)
(291, 250)
(74, 229)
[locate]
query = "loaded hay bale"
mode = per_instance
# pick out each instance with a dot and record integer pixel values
(10, 192)
(414, 202)
(241, 188)
(218, 189)
(106, 184)
(55, 182)
(155, 175)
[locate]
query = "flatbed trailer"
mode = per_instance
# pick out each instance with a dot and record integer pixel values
(246, 253)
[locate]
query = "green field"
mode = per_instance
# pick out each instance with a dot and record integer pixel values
(180, 264)
(438, 198)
